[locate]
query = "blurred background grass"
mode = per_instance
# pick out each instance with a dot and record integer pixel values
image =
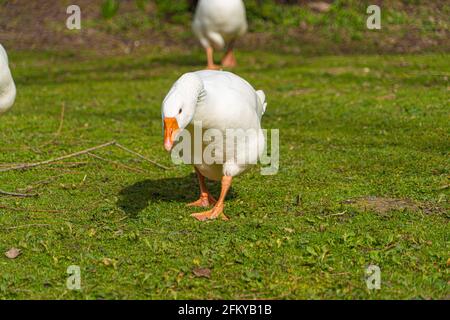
(301, 27)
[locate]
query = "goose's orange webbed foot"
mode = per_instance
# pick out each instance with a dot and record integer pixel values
(205, 200)
(212, 214)
(229, 61)
(217, 211)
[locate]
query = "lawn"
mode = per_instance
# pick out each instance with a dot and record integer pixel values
(363, 179)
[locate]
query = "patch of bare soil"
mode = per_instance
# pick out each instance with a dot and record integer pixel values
(26, 25)
(382, 205)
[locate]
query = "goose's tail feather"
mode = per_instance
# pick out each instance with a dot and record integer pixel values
(262, 99)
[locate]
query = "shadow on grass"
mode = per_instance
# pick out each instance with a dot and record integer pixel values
(136, 197)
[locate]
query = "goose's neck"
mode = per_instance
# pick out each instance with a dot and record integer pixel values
(191, 88)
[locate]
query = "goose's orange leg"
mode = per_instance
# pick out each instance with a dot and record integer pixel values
(217, 210)
(210, 58)
(206, 199)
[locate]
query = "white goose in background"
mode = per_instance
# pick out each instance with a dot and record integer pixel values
(7, 87)
(218, 24)
(219, 100)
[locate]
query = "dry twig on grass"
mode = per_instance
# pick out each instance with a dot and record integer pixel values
(61, 124)
(57, 163)
(26, 166)
(115, 163)
(61, 120)
(337, 214)
(76, 154)
(141, 156)
(18, 195)
(26, 226)
(29, 210)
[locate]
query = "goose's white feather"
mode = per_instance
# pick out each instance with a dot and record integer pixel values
(219, 22)
(7, 86)
(219, 100)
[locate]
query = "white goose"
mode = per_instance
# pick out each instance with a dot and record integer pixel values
(219, 23)
(220, 101)
(7, 87)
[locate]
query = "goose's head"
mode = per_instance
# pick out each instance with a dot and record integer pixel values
(178, 108)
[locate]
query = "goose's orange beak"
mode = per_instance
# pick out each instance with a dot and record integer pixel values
(170, 130)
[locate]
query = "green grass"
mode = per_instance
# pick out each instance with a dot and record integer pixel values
(350, 127)
(406, 25)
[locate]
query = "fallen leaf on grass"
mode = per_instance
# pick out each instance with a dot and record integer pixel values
(109, 262)
(289, 230)
(202, 272)
(448, 262)
(179, 277)
(12, 253)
